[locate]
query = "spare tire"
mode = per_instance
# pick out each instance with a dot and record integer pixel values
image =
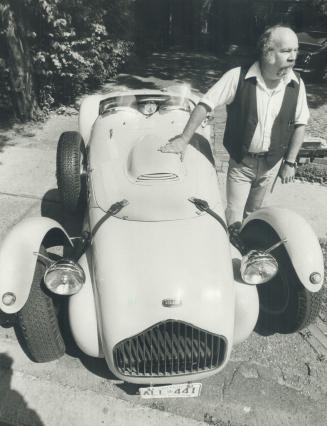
(286, 306)
(71, 165)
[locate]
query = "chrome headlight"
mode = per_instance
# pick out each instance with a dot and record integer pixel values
(258, 267)
(64, 277)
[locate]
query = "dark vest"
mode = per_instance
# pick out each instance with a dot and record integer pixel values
(242, 119)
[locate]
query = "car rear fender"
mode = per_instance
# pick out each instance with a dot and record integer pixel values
(302, 245)
(88, 113)
(18, 258)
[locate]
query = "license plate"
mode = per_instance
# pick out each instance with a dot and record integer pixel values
(185, 390)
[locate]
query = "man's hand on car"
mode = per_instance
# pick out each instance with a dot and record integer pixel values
(176, 145)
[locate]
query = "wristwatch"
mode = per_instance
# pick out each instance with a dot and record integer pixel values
(290, 163)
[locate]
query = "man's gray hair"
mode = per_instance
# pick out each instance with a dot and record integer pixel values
(264, 45)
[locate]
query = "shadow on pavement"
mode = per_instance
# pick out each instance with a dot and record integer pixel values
(199, 70)
(4, 140)
(7, 320)
(97, 366)
(134, 82)
(13, 408)
(130, 388)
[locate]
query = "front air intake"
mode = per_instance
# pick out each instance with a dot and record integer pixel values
(155, 177)
(146, 163)
(170, 348)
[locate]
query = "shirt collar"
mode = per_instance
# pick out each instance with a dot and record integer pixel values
(255, 71)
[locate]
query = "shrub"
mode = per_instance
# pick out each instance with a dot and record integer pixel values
(69, 45)
(312, 172)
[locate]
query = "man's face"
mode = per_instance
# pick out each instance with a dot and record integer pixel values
(279, 61)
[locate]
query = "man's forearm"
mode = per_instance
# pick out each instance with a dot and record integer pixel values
(198, 115)
(295, 144)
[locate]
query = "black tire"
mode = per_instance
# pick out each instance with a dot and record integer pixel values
(37, 326)
(71, 160)
(286, 306)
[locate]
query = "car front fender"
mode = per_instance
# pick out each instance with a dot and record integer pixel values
(88, 113)
(18, 258)
(246, 302)
(82, 313)
(301, 244)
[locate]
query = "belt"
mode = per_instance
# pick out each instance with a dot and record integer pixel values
(257, 154)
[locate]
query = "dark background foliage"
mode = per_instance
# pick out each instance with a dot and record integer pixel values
(53, 50)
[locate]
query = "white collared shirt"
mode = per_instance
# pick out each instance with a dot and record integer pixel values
(269, 102)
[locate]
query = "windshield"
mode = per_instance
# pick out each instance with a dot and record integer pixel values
(147, 104)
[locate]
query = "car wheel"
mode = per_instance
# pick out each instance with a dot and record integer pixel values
(286, 306)
(37, 325)
(71, 161)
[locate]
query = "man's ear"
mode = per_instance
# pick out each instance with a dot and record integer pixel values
(269, 57)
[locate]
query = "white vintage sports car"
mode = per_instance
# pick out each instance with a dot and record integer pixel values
(154, 284)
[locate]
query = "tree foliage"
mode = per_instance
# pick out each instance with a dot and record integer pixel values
(216, 24)
(20, 67)
(73, 45)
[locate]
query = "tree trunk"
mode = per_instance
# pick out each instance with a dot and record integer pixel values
(20, 67)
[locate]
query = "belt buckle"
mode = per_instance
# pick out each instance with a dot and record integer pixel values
(257, 154)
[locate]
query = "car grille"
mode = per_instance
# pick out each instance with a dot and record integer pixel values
(169, 348)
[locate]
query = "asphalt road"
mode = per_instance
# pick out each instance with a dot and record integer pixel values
(270, 380)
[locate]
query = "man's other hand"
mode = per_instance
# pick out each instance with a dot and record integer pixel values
(287, 173)
(176, 145)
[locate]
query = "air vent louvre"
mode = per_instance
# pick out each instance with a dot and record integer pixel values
(154, 177)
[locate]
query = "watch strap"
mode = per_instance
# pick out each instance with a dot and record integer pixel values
(290, 163)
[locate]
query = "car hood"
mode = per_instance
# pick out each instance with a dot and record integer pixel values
(126, 163)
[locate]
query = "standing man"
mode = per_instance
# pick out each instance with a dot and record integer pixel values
(266, 116)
